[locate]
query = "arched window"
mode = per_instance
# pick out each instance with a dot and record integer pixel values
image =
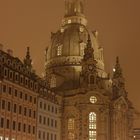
(71, 123)
(59, 50)
(92, 79)
(82, 46)
(53, 81)
(92, 126)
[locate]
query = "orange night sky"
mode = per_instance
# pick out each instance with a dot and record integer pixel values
(29, 23)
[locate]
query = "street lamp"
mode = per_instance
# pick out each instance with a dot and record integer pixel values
(134, 137)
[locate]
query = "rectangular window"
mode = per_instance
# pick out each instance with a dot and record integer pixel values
(30, 98)
(10, 90)
(3, 104)
(33, 129)
(15, 93)
(30, 113)
(20, 110)
(15, 108)
(19, 126)
(48, 121)
(14, 125)
(34, 114)
(26, 97)
(40, 119)
(4, 88)
(34, 100)
(48, 136)
(21, 94)
(29, 129)
(2, 123)
(8, 124)
(24, 128)
(25, 111)
(9, 106)
(44, 121)
(51, 122)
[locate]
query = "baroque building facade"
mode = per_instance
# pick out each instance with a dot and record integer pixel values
(95, 106)
(76, 100)
(21, 92)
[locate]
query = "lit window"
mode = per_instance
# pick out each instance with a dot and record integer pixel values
(59, 50)
(82, 48)
(71, 124)
(92, 126)
(71, 136)
(71, 129)
(69, 21)
(53, 81)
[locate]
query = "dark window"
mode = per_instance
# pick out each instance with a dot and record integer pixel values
(52, 109)
(44, 106)
(21, 94)
(55, 110)
(8, 124)
(24, 128)
(4, 88)
(39, 134)
(44, 121)
(55, 124)
(15, 108)
(9, 106)
(48, 107)
(25, 111)
(40, 104)
(15, 92)
(34, 100)
(43, 135)
(30, 113)
(30, 98)
(48, 121)
(10, 90)
(20, 109)
(26, 97)
(2, 122)
(51, 136)
(40, 119)
(14, 125)
(19, 126)
(3, 104)
(34, 114)
(29, 129)
(51, 122)
(33, 129)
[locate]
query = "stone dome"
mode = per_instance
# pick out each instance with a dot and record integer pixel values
(70, 42)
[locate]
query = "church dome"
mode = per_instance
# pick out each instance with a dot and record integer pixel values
(67, 45)
(65, 53)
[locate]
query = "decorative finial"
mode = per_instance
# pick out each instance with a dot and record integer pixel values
(117, 70)
(28, 60)
(88, 52)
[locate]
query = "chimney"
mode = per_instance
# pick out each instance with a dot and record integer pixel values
(1, 47)
(10, 52)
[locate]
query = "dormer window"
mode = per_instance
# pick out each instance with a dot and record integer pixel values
(59, 50)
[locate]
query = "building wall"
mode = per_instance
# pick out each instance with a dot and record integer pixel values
(48, 123)
(18, 107)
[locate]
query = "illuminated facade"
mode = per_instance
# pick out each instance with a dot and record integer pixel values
(94, 105)
(21, 92)
(77, 100)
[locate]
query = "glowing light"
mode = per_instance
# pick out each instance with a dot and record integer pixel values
(114, 69)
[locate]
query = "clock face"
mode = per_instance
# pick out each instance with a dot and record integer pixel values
(93, 99)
